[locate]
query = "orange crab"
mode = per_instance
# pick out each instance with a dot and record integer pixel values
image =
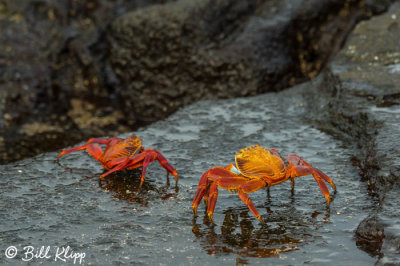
(121, 154)
(256, 167)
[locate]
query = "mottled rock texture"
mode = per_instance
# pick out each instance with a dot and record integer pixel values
(57, 86)
(167, 56)
(365, 114)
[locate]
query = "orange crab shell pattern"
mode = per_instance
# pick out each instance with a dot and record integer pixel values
(258, 162)
(117, 153)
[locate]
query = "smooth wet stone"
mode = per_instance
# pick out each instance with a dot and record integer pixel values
(46, 203)
(370, 235)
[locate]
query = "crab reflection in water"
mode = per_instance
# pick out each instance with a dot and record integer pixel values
(285, 230)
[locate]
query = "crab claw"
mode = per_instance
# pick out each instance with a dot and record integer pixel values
(299, 167)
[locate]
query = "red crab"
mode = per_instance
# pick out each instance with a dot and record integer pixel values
(121, 154)
(256, 167)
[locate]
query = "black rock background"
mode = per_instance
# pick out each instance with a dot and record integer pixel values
(64, 79)
(71, 70)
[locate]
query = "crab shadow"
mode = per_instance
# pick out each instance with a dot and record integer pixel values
(285, 229)
(125, 185)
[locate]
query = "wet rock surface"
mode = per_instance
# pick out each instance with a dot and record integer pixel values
(365, 114)
(58, 87)
(369, 235)
(112, 221)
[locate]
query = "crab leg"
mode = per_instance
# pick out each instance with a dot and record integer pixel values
(147, 159)
(94, 150)
(128, 161)
(229, 182)
(152, 155)
(324, 177)
(221, 177)
(201, 190)
(166, 165)
(299, 170)
(246, 200)
(250, 187)
(243, 185)
(213, 196)
(143, 159)
(102, 141)
(233, 182)
(299, 167)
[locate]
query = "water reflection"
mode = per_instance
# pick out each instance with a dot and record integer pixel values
(241, 237)
(125, 185)
(284, 230)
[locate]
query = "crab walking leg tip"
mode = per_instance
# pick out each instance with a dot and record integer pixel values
(333, 186)
(210, 216)
(328, 200)
(62, 153)
(194, 207)
(259, 218)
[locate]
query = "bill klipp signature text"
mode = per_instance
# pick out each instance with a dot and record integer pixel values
(60, 254)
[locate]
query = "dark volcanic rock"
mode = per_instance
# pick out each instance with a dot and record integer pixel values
(370, 235)
(170, 55)
(366, 113)
(55, 84)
